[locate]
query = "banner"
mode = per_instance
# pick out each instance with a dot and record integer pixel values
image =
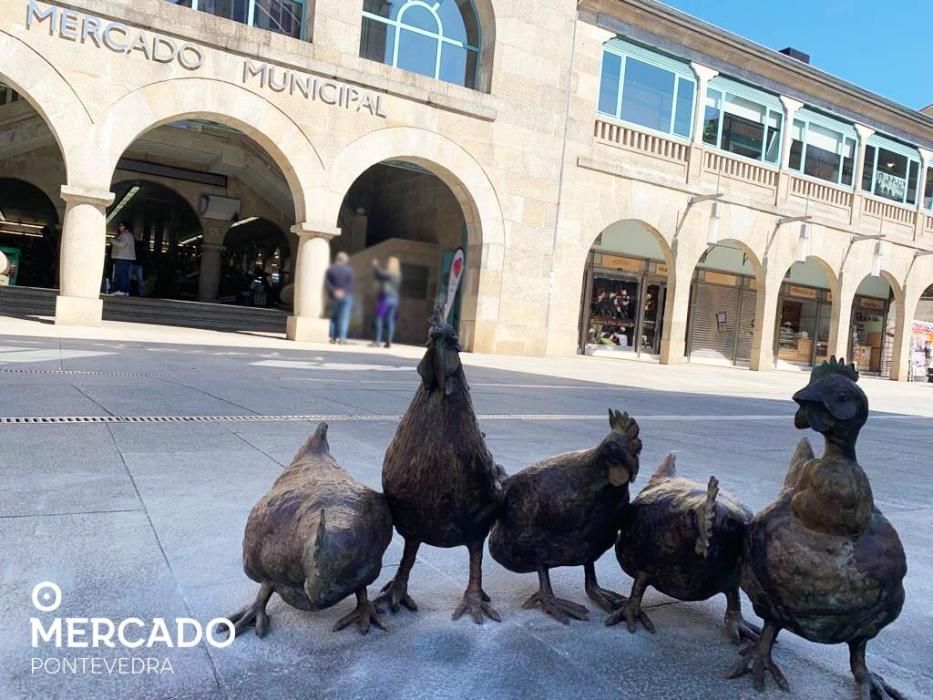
(453, 281)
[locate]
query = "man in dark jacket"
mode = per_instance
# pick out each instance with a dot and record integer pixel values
(339, 284)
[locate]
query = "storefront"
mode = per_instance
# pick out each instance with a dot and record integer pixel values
(623, 305)
(871, 337)
(721, 323)
(921, 352)
(803, 324)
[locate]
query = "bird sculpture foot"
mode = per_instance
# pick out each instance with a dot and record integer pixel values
(558, 608)
(756, 659)
(395, 593)
(364, 614)
(874, 687)
(476, 603)
(606, 599)
(631, 612)
(253, 614)
(738, 629)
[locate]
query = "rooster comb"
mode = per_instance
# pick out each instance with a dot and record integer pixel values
(834, 366)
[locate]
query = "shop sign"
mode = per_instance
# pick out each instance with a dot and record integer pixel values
(721, 278)
(617, 262)
(660, 268)
(310, 87)
(118, 37)
(802, 292)
(871, 304)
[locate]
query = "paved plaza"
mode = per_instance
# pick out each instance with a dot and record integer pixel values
(140, 511)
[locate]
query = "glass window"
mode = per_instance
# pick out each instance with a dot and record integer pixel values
(646, 94)
(280, 16)
(439, 40)
(868, 168)
(892, 175)
(822, 152)
(912, 176)
(740, 125)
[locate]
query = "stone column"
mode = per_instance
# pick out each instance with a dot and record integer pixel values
(791, 107)
(81, 267)
(903, 336)
(694, 162)
(926, 160)
(311, 264)
(209, 277)
(676, 310)
(864, 133)
(765, 319)
(840, 324)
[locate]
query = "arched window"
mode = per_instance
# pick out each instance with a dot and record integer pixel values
(437, 38)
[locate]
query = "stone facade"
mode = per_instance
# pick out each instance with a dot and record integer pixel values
(537, 174)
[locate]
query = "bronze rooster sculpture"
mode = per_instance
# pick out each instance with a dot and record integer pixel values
(686, 541)
(316, 537)
(441, 481)
(821, 560)
(566, 511)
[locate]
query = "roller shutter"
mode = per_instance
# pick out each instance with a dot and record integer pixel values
(709, 341)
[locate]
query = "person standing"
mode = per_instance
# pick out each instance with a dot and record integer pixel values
(390, 281)
(339, 284)
(123, 254)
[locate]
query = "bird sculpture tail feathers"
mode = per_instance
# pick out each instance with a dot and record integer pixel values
(706, 517)
(316, 444)
(321, 536)
(666, 469)
(802, 455)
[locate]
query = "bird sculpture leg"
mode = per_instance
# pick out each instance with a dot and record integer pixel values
(395, 592)
(870, 685)
(736, 627)
(475, 601)
(631, 611)
(607, 600)
(364, 613)
(254, 614)
(756, 659)
(558, 608)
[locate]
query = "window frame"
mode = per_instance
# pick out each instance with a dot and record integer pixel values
(845, 131)
(397, 24)
(771, 104)
(251, 17)
(926, 168)
(878, 142)
(681, 72)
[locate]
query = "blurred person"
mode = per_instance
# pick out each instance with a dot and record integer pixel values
(390, 281)
(339, 284)
(123, 254)
(137, 269)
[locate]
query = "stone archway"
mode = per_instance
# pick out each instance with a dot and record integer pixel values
(474, 192)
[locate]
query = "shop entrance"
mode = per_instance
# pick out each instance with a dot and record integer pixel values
(871, 335)
(625, 288)
(801, 337)
(723, 296)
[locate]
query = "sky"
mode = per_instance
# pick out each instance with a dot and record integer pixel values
(880, 45)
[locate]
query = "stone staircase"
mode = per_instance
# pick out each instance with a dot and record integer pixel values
(31, 301)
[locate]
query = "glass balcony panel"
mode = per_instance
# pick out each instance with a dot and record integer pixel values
(647, 95)
(609, 83)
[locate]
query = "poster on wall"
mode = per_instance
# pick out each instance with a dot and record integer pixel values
(892, 186)
(454, 276)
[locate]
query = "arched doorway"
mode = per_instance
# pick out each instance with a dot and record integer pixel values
(624, 291)
(804, 315)
(256, 265)
(28, 234)
(401, 209)
(873, 325)
(168, 238)
(722, 308)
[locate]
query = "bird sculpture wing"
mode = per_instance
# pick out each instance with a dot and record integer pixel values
(802, 455)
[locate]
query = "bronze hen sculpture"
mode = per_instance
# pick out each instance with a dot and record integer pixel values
(685, 540)
(821, 560)
(566, 511)
(439, 478)
(315, 538)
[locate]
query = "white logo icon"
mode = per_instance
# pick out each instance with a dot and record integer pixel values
(47, 596)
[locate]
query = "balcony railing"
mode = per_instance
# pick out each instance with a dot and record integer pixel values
(739, 169)
(820, 192)
(929, 223)
(889, 211)
(643, 142)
